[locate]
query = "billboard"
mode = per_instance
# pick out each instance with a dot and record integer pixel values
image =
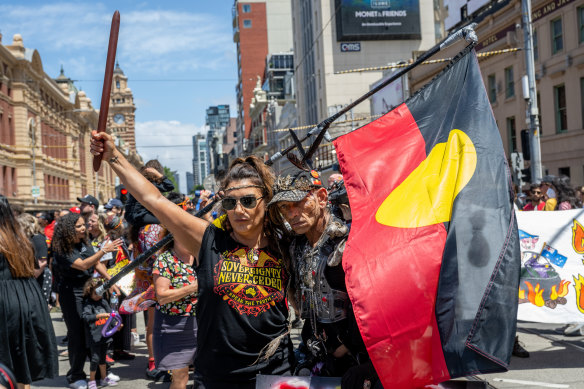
(377, 19)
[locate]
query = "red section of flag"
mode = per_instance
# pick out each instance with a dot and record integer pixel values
(391, 277)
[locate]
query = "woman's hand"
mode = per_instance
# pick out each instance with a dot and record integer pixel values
(102, 143)
(102, 315)
(115, 289)
(111, 246)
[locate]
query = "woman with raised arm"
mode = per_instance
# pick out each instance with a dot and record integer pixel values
(241, 275)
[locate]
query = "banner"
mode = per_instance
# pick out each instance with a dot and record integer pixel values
(552, 266)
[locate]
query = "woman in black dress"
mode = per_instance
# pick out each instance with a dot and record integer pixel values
(27, 340)
(76, 259)
(242, 277)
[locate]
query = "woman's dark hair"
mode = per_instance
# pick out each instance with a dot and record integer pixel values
(64, 237)
(14, 244)
(565, 192)
(152, 164)
(258, 173)
(91, 285)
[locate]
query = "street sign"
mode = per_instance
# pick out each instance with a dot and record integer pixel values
(36, 191)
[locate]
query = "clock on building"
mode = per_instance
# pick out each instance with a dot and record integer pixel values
(119, 118)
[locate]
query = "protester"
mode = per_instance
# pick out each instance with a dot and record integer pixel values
(331, 333)
(535, 199)
(115, 205)
(144, 232)
(88, 206)
(122, 340)
(566, 195)
(232, 326)
(42, 273)
(580, 196)
(175, 325)
(96, 229)
(549, 193)
(76, 258)
(27, 340)
(96, 311)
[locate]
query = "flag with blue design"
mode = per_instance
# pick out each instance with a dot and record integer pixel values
(552, 255)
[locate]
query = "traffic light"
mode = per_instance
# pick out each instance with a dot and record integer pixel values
(122, 193)
(526, 175)
(525, 147)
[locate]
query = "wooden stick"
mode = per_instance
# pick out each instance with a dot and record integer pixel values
(107, 82)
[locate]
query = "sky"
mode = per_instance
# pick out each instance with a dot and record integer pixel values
(178, 55)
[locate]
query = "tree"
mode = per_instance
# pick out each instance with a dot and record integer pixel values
(170, 175)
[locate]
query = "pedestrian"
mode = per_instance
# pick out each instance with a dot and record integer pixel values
(241, 275)
(27, 340)
(96, 311)
(175, 326)
(76, 259)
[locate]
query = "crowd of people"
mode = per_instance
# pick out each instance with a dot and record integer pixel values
(218, 299)
(551, 194)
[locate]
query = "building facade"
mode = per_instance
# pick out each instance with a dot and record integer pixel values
(121, 115)
(332, 36)
(200, 159)
(44, 136)
(259, 27)
(558, 27)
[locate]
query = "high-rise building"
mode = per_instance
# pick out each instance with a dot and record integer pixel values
(121, 112)
(334, 36)
(200, 159)
(217, 116)
(259, 27)
(190, 182)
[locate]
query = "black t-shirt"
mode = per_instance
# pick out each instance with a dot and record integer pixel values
(69, 275)
(39, 245)
(241, 308)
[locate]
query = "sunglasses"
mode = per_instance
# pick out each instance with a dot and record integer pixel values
(248, 201)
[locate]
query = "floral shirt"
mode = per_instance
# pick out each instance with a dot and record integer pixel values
(180, 274)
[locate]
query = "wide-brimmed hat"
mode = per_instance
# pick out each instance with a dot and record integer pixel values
(295, 187)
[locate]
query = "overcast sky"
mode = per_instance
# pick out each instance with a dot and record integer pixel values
(179, 58)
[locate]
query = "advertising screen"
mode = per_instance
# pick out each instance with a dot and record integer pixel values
(377, 19)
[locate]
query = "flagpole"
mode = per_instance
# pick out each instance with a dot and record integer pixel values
(467, 33)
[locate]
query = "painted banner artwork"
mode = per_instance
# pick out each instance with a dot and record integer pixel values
(552, 266)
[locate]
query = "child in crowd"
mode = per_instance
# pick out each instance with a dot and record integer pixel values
(96, 311)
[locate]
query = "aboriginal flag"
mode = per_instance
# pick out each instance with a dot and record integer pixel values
(432, 261)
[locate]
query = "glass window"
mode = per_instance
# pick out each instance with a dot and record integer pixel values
(511, 134)
(557, 38)
(580, 24)
(246, 23)
(492, 85)
(246, 8)
(564, 171)
(535, 47)
(509, 82)
(560, 108)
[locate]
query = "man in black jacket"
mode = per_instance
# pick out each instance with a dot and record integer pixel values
(330, 331)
